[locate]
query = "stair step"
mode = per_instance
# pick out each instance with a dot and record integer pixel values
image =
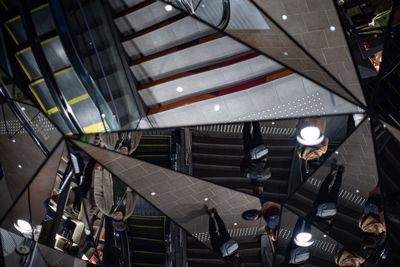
(237, 149)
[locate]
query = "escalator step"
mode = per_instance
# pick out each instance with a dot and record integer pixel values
(157, 258)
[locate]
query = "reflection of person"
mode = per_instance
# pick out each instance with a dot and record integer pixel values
(372, 219)
(254, 165)
(325, 204)
(346, 258)
(221, 241)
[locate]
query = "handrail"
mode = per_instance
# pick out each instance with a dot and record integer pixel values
(45, 69)
(78, 66)
(226, 15)
(24, 122)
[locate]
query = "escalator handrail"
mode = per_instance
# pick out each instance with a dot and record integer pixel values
(78, 66)
(28, 128)
(226, 15)
(46, 71)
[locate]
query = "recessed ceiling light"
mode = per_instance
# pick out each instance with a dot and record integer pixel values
(324, 235)
(332, 28)
(19, 166)
(103, 115)
(179, 89)
(285, 53)
(336, 152)
(168, 8)
(203, 5)
(234, 224)
(273, 123)
(284, 17)
(217, 107)
(357, 191)
(205, 199)
(23, 108)
(153, 193)
(13, 140)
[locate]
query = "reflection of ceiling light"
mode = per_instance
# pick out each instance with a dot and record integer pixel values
(234, 224)
(284, 17)
(103, 115)
(337, 152)
(285, 53)
(23, 108)
(217, 107)
(332, 28)
(13, 140)
(23, 226)
(273, 123)
(153, 193)
(19, 166)
(303, 239)
(203, 5)
(310, 136)
(168, 8)
(179, 89)
(357, 191)
(205, 199)
(324, 235)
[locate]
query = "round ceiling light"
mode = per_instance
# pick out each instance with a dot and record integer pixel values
(168, 8)
(310, 136)
(23, 226)
(303, 239)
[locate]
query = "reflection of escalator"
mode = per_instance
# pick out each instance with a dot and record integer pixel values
(147, 240)
(155, 149)
(87, 105)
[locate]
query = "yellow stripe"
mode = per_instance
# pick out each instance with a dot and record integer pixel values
(23, 67)
(37, 98)
(71, 102)
(146, 226)
(36, 82)
(148, 239)
(62, 70)
(42, 43)
(32, 11)
(4, 5)
(95, 128)
(12, 34)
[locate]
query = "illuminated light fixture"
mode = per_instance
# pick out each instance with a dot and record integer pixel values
(273, 123)
(23, 226)
(324, 235)
(303, 239)
(153, 193)
(23, 108)
(103, 115)
(217, 107)
(310, 131)
(337, 152)
(13, 140)
(284, 17)
(332, 28)
(205, 199)
(285, 53)
(19, 166)
(357, 191)
(168, 8)
(179, 89)
(235, 224)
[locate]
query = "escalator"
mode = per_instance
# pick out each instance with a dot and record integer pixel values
(84, 104)
(155, 149)
(147, 240)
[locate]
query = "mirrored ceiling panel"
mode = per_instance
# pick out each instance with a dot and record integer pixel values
(316, 27)
(301, 244)
(221, 153)
(25, 144)
(270, 40)
(343, 197)
(184, 199)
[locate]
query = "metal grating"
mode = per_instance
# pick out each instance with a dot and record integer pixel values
(238, 128)
(237, 232)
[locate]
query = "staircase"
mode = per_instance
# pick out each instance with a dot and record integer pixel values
(155, 149)
(217, 159)
(147, 240)
(178, 60)
(197, 255)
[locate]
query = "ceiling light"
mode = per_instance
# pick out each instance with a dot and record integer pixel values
(303, 239)
(337, 152)
(13, 140)
(324, 235)
(273, 123)
(284, 17)
(23, 226)
(103, 115)
(235, 224)
(357, 191)
(310, 136)
(19, 166)
(205, 199)
(285, 53)
(23, 108)
(217, 107)
(168, 8)
(332, 28)
(179, 89)
(153, 193)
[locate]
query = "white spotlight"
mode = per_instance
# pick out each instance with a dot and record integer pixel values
(217, 107)
(168, 8)
(310, 136)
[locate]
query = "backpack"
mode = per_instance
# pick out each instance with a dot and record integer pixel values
(258, 152)
(299, 255)
(229, 247)
(325, 210)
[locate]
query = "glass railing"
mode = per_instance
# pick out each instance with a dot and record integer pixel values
(97, 46)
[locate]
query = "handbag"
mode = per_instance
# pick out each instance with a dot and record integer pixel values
(258, 152)
(326, 210)
(229, 247)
